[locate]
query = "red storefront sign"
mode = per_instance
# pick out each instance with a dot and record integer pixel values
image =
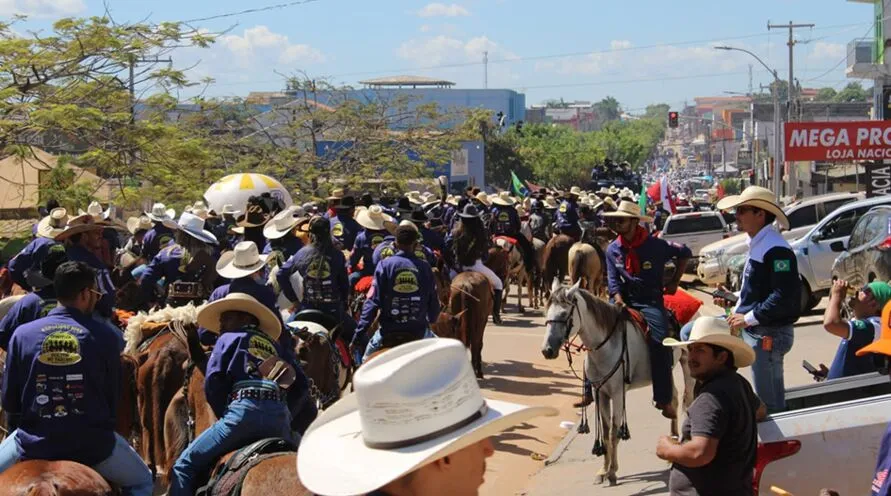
(837, 141)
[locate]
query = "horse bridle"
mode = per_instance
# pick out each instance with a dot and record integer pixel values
(324, 400)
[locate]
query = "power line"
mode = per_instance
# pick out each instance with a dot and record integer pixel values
(249, 11)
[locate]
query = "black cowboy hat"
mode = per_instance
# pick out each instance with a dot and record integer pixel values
(347, 202)
(259, 210)
(470, 212)
(418, 216)
(404, 205)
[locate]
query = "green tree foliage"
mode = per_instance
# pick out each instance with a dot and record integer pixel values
(826, 94)
(853, 92)
(608, 109)
(60, 183)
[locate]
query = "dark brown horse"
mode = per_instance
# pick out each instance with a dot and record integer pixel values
(271, 477)
(45, 478)
(556, 261)
(470, 303)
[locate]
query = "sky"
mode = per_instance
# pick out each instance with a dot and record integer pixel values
(639, 51)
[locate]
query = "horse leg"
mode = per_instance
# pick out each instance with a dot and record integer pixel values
(605, 421)
(612, 453)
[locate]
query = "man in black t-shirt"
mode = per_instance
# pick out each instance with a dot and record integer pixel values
(716, 454)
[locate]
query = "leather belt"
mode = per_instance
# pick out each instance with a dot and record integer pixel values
(256, 394)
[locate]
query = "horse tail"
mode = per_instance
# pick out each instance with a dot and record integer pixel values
(457, 304)
(579, 261)
(176, 436)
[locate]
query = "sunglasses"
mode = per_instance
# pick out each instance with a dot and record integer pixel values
(745, 208)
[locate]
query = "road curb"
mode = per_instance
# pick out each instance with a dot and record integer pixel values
(562, 447)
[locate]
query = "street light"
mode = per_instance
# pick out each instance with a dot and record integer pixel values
(778, 144)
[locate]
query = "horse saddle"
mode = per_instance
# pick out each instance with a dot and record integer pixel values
(637, 318)
(363, 284)
(506, 243)
(228, 479)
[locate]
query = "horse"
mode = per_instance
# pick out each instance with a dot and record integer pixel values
(517, 272)
(53, 478)
(617, 360)
(327, 365)
(470, 303)
(270, 476)
(585, 265)
(556, 259)
(499, 262)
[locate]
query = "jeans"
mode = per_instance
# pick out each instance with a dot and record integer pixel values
(244, 422)
(376, 342)
(767, 371)
(660, 356)
(124, 468)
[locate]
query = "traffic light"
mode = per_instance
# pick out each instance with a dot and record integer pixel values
(672, 119)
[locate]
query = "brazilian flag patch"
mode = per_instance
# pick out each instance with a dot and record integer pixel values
(782, 265)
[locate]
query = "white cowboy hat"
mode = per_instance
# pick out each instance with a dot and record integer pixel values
(503, 198)
(612, 203)
(311, 327)
(715, 330)
(414, 197)
(192, 225)
(200, 209)
(759, 197)
(550, 202)
(243, 260)
(209, 314)
(452, 200)
(603, 190)
(284, 222)
(412, 405)
(77, 225)
(374, 218)
(160, 213)
(94, 209)
(336, 194)
(139, 223)
(613, 190)
(229, 209)
(53, 224)
(575, 190)
(628, 209)
(483, 198)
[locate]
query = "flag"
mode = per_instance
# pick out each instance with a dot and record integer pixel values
(666, 196)
(517, 187)
(642, 200)
(655, 192)
(720, 191)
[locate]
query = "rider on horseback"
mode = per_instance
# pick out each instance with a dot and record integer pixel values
(506, 222)
(466, 247)
(635, 264)
(568, 215)
(34, 305)
(61, 387)
(29, 259)
(373, 221)
(247, 400)
(403, 295)
(82, 236)
(283, 242)
(159, 235)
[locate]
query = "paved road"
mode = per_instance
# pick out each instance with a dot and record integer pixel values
(572, 467)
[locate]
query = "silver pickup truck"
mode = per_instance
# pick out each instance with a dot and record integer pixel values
(827, 438)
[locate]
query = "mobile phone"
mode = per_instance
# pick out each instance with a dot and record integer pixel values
(726, 295)
(807, 366)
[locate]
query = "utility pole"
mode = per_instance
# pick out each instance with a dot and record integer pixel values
(793, 179)
(486, 69)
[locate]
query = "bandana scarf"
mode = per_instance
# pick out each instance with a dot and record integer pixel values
(632, 261)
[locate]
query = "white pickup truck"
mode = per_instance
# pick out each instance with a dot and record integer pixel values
(827, 438)
(695, 229)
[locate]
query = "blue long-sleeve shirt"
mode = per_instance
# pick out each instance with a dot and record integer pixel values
(403, 294)
(505, 221)
(30, 308)
(288, 246)
(156, 238)
(326, 286)
(30, 257)
(363, 250)
(77, 253)
(568, 215)
(646, 287)
(62, 381)
(431, 239)
(344, 230)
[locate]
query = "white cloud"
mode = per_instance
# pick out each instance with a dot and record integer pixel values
(259, 44)
(454, 50)
(425, 28)
(827, 52)
(42, 8)
(443, 10)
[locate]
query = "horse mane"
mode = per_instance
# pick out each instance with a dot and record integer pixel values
(187, 314)
(604, 313)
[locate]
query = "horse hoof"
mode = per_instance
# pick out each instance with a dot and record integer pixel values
(612, 480)
(599, 478)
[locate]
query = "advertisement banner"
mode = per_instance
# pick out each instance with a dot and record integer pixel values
(837, 141)
(878, 179)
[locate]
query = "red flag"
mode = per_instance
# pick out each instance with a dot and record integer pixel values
(720, 191)
(654, 192)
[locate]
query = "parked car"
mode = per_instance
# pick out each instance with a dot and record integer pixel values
(814, 251)
(695, 229)
(803, 214)
(867, 254)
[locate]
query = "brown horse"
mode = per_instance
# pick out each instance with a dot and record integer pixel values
(556, 260)
(46, 478)
(585, 265)
(470, 303)
(271, 477)
(323, 366)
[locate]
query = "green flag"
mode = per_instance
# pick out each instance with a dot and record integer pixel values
(517, 187)
(642, 200)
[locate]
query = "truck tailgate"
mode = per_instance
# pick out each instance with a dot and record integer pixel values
(839, 445)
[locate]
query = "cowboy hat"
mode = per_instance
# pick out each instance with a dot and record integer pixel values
(883, 344)
(53, 224)
(630, 210)
(414, 197)
(160, 213)
(78, 225)
(470, 212)
(284, 222)
(200, 209)
(243, 260)
(756, 196)
(346, 203)
(192, 225)
(412, 405)
(575, 191)
(550, 203)
(209, 314)
(94, 209)
(483, 198)
(336, 194)
(418, 216)
(503, 198)
(256, 213)
(229, 209)
(141, 223)
(612, 203)
(374, 218)
(452, 200)
(715, 330)
(613, 190)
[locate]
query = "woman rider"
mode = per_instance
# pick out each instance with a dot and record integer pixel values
(467, 245)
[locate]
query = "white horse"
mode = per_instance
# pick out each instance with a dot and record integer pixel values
(616, 349)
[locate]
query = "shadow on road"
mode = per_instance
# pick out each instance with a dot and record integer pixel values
(502, 442)
(654, 477)
(501, 376)
(517, 321)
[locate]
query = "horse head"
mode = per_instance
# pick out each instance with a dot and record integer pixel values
(448, 325)
(562, 318)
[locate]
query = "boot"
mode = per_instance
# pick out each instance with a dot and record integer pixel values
(587, 399)
(496, 307)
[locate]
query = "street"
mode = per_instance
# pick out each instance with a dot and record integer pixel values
(516, 371)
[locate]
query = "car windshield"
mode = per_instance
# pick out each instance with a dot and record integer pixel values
(686, 225)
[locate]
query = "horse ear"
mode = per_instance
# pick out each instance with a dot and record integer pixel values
(458, 315)
(555, 285)
(574, 289)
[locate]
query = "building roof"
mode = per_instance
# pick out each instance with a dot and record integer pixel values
(20, 179)
(407, 81)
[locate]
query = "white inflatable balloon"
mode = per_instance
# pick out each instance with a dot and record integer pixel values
(237, 188)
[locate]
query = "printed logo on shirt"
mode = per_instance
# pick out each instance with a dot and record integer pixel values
(376, 240)
(260, 347)
(782, 265)
(420, 253)
(387, 251)
(406, 282)
(503, 217)
(879, 481)
(60, 349)
(337, 230)
(319, 269)
(562, 208)
(164, 239)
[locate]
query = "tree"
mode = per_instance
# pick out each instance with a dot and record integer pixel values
(826, 94)
(853, 92)
(608, 109)
(657, 111)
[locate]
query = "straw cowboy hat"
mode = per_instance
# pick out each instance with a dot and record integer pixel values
(613, 190)
(160, 213)
(94, 209)
(503, 198)
(242, 261)
(612, 203)
(759, 197)
(336, 194)
(192, 225)
(414, 197)
(200, 209)
(374, 218)
(550, 203)
(209, 314)
(575, 191)
(452, 200)
(141, 223)
(714, 330)
(412, 405)
(53, 224)
(883, 344)
(229, 209)
(483, 198)
(78, 225)
(284, 222)
(628, 209)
